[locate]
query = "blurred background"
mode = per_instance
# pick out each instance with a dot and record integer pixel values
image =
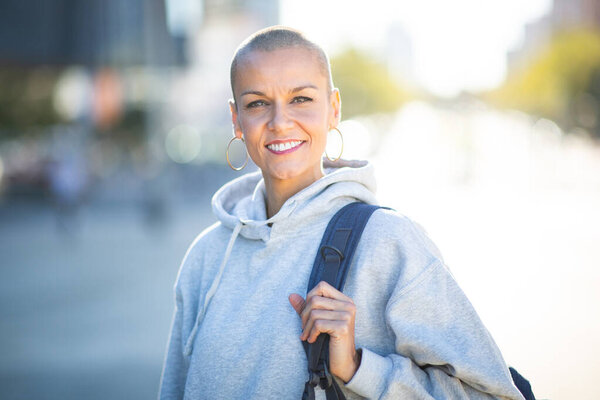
(482, 120)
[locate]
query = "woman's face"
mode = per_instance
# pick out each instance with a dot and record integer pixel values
(284, 109)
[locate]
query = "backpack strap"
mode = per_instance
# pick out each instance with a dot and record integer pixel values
(522, 384)
(331, 265)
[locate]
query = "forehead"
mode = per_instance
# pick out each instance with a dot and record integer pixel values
(282, 67)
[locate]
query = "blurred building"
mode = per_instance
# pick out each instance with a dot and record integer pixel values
(89, 33)
(93, 66)
(399, 53)
(144, 82)
(571, 13)
(565, 15)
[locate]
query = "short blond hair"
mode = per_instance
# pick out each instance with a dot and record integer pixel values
(275, 38)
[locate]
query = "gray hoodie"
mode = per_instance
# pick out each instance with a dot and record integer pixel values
(235, 335)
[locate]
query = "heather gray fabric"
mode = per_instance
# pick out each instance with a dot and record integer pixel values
(235, 336)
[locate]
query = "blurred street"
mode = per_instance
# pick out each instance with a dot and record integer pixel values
(85, 313)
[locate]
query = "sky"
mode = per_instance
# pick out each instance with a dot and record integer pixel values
(456, 45)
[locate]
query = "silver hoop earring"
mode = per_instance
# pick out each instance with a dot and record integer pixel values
(341, 150)
(227, 154)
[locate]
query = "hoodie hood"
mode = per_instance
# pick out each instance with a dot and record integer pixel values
(243, 200)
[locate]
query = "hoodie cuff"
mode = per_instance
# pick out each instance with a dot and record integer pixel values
(371, 376)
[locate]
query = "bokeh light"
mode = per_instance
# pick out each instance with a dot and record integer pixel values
(73, 94)
(183, 144)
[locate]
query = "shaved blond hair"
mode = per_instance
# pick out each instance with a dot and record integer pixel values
(275, 38)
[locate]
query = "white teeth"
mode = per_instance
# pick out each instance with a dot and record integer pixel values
(284, 146)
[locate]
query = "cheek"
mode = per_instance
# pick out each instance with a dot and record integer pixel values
(252, 138)
(253, 145)
(250, 126)
(313, 121)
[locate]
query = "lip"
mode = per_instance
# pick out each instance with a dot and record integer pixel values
(279, 141)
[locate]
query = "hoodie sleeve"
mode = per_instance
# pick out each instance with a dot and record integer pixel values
(174, 374)
(442, 349)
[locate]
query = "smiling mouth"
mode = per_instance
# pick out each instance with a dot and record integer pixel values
(284, 147)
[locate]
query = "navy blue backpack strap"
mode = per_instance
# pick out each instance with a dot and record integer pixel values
(522, 384)
(331, 265)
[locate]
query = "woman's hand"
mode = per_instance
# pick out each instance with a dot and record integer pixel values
(327, 310)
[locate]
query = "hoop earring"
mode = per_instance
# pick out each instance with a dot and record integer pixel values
(227, 154)
(341, 150)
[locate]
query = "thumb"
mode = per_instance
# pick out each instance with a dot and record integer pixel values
(297, 302)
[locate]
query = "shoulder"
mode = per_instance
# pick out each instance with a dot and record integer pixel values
(395, 249)
(207, 239)
(391, 227)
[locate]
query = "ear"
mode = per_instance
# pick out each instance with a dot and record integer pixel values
(335, 101)
(237, 128)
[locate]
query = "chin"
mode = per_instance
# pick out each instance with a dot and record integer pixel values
(291, 171)
(283, 175)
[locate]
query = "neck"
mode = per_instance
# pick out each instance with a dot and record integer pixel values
(279, 190)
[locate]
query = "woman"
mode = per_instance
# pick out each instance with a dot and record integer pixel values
(401, 329)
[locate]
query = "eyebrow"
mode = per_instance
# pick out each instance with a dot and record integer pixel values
(300, 88)
(256, 92)
(294, 90)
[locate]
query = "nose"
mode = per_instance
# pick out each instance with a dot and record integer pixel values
(280, 120)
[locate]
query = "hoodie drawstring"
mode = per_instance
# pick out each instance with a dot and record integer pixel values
(212, 290)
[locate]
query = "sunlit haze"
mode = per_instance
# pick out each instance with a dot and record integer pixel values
(456, 45)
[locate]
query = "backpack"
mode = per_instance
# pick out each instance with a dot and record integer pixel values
(331, 265)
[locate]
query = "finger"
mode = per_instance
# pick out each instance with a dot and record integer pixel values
(326, 290)
(324, 303)
(335, 328)
(317, 315)
(297, 302)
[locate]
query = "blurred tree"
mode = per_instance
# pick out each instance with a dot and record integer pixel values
(562, 82)
(130, 129)
(27, 108)
(26, 99)
(365, 85)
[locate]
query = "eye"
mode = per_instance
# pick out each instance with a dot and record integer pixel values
(256, 103)
(301, 99)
